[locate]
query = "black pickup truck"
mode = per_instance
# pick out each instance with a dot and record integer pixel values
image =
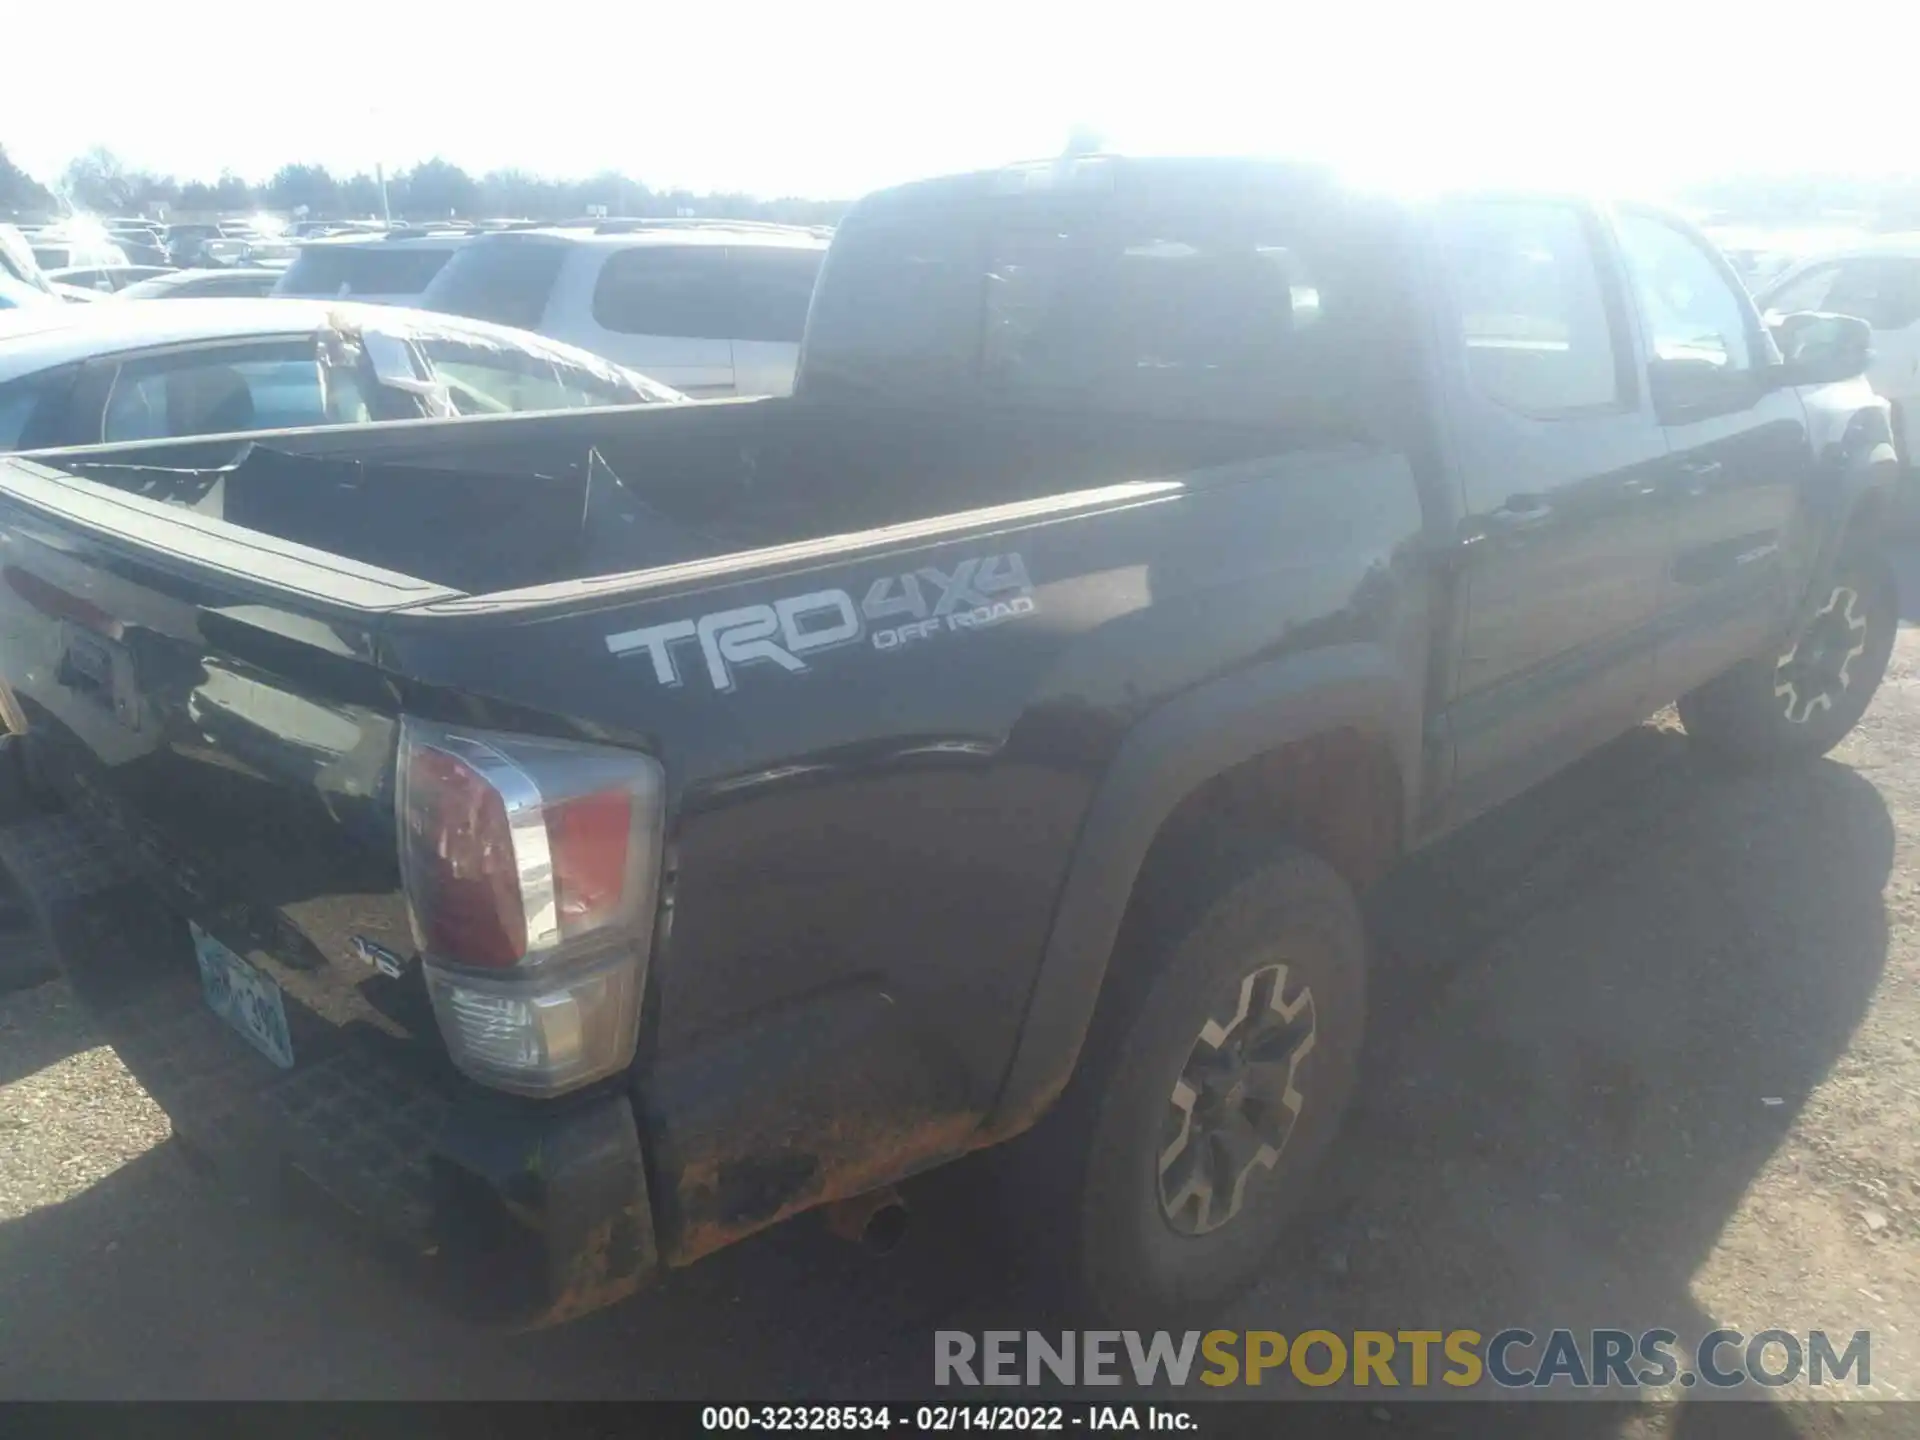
(579, 841)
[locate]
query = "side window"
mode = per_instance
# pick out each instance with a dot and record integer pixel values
(1693, 312)
(20, 404)
(1531, 311)
(772, 287)
(215, 391)
(1807, 291)
(1883, 292)
(678, 290)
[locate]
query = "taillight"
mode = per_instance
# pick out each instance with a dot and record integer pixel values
(531, 869)
(464, 884)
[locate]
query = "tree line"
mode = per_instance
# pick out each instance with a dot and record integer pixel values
(436, 189)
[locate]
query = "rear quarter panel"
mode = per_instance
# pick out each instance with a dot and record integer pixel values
(868, 844)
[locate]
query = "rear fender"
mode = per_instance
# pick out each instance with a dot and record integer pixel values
(1165, 758)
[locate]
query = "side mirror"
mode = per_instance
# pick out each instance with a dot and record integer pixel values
(1683, 386)
(1820, 349)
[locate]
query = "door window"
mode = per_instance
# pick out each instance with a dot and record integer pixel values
(22, 403)
(683, 291)
(1693, 311)
(1530, 305)
(216, 391)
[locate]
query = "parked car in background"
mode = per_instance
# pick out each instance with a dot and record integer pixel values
(187, 243)
(253, 251)
(1761, 254)
(711, 308)
(234, 281)
(315, 229)
(83, 375)
(17, 294)
(107, 278)
(17, 262)
(64, 250)
(387, 269)
(1880, 284)
(141, 240)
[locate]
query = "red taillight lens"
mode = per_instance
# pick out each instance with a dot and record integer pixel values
(465, 883)
(515, 849)
(588, 839)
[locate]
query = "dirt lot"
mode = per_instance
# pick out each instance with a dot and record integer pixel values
(1647, 1053)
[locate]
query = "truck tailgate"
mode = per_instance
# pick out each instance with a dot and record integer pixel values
(214, 708)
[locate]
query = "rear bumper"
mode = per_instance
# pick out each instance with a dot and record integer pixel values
(522, 1214)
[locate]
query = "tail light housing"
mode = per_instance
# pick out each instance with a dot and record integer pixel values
(532, 873)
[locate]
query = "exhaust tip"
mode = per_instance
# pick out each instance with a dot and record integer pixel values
(885, 1229)
(876, 1220)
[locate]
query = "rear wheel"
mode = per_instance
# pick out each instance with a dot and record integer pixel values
(1803, 702)
(1214, 1091)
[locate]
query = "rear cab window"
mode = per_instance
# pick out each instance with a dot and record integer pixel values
(1149, 301)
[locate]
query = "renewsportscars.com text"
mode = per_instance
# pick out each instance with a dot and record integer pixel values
(1511, 1358)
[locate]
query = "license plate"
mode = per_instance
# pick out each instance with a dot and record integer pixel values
(240, 995)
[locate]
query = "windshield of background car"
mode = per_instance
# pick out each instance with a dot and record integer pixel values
(1145, 304)
(505, 281)
(339, 272)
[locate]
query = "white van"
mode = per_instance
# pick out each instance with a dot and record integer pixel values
(709, 307)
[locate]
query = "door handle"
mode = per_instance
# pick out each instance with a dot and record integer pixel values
(1701, 472)
(1510, 524)
(1520, 513)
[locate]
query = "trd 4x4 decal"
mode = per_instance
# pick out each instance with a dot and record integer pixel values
(897, 610)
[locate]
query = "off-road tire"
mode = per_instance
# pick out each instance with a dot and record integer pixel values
(1210, 932)
(1769, 710)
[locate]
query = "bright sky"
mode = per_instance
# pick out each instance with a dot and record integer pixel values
(833, 97)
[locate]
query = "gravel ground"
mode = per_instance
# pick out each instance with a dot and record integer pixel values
(1646, 1052)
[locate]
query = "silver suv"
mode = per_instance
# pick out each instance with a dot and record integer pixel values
(710, 307)
(384, 269)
